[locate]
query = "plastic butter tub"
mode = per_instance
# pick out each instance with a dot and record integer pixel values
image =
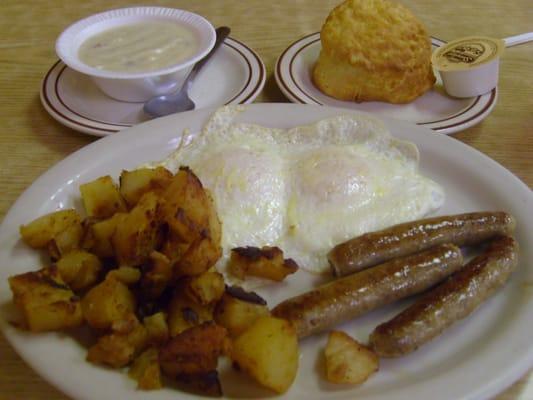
(469, 66)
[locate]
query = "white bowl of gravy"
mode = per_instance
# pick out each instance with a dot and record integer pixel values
(133, 54)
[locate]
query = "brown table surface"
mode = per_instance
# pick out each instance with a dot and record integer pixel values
(31, 141)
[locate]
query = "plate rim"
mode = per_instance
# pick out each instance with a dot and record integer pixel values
(493, 387)
(81, 123)
(447, 125)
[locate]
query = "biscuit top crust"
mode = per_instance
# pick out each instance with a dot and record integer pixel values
(375, 34)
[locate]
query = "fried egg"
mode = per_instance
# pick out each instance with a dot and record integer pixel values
(308, 188)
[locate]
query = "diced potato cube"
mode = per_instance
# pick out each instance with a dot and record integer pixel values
(156, 276)
(206, 288)
(193, 243)
(133, 184)
(118, 349)
(45, 301)
(126, 275)
(348, 361)
(174, 248)
(146, 370)
(62, 229)
(79, 269)
(268, 351)
(87, 240)
(184, 313)
(157, 328)
(125, 324)
(136, 235)
(101, 198)
(100, 234)
(185, 206)
(266, 262)
(107, 302)
(236, 315)
(201, 255)
(194, 351)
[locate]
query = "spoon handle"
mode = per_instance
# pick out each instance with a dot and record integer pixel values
(221, 34)
(518, 39)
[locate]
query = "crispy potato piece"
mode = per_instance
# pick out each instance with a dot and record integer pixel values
(174, 248)
(98, 239)
(79, 269)
(266, 262)
(206, 252)
(133, 184)
(194, 351)
(107, 302)
(125, 324)
(87, 240)
(101, 198)
(60, 230)
(45, 301)
(205, 384)
(348, 361)
(237, 314)
(184, 313)
(201, 255)
(137, 234)
(205, 288)
(156, 276)
(157, 328)
(185, 206)
(268, 351)
(126, 275)
(69, 238)
(193, 245)
(146, 370)
(118, 349)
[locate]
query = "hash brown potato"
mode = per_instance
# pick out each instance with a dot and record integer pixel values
(236, 314)
(347, 360)
(268, 352)
(265, 262)
(45, 301)
(139, 271)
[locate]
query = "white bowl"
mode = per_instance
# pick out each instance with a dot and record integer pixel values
(137, 86)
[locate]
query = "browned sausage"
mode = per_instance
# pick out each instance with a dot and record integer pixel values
(404, 239)
(351, 296)
(452, 300)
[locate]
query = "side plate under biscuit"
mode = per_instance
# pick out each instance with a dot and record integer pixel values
(435, 109)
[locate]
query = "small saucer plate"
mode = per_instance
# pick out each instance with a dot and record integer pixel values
(235, 75)
(434, 110)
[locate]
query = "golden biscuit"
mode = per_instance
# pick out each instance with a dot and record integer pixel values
(374, 50)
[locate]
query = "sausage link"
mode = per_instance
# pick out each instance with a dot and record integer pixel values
(452, 300)
(401, 240)
(351, 296)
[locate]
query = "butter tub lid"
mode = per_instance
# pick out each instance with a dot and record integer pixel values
(466, 53)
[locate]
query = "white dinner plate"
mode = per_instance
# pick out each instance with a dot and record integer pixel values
(235, 75)
(475, 359)
(435, 109)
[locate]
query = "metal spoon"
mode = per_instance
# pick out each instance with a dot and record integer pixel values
(166, 104)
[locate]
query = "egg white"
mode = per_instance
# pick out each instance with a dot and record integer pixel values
(308, 188)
